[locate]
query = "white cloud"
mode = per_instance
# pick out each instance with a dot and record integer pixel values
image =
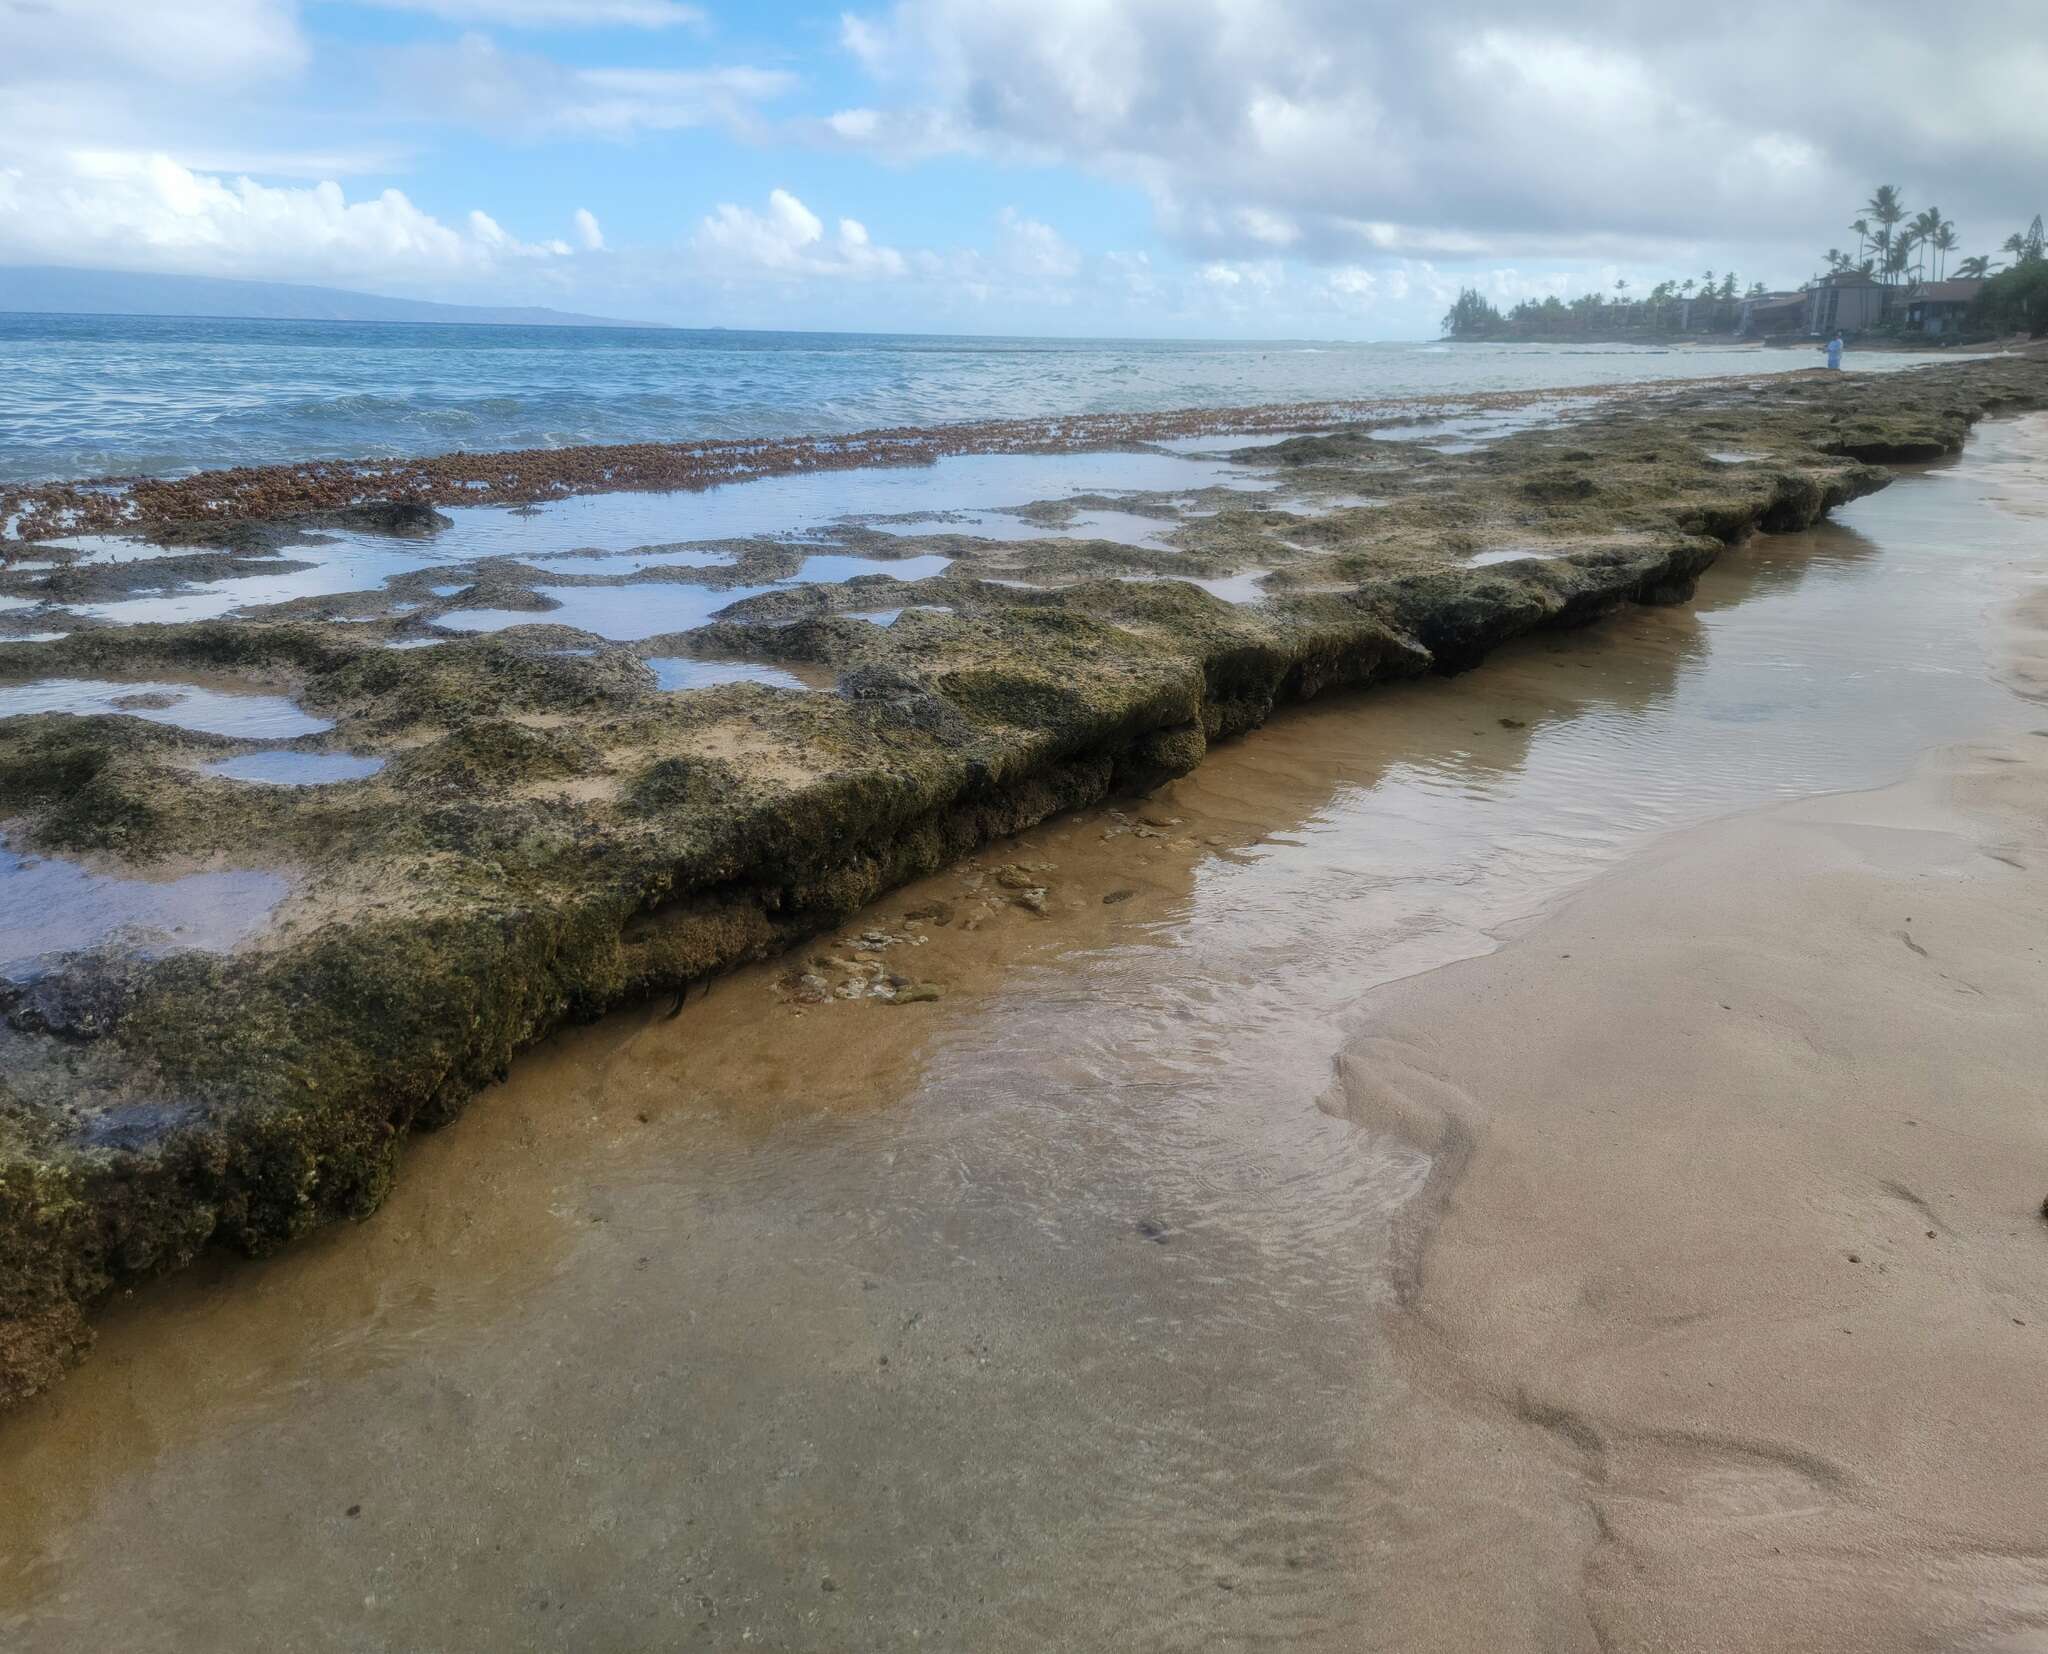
(558, 14)
(789, 239)
(1033, 249)
(589, 231)
(315, 164)
(494, 240)
(1350, 283)
(614, 102)
(193, 42)
(137, 211)
(866, 41)
(525, 95)
(1578, 130)
(900, 135)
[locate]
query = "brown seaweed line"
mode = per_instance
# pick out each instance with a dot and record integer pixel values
(34, 511)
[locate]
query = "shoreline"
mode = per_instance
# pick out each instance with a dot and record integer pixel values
(1731, 1257)
(199, 507)
(514, 876)
(1086, 1211)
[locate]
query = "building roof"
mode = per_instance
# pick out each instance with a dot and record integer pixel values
(1960, 291)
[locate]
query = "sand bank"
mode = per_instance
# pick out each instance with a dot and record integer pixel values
(1732, 1276)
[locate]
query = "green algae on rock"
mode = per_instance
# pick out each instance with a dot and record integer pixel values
(552, 833)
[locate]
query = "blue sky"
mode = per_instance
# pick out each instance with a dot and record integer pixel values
(1209, 168)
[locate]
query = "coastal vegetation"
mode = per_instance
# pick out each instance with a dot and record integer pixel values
(1900, 250)
(1710, 303)
(2016, 300)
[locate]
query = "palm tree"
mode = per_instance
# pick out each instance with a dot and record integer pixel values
(2026, 245)
(1862, 229)
(1945, 242)
(1926, 226)
(1974, 268)
(1837, 259)
(1896, 260)
(1885, 206)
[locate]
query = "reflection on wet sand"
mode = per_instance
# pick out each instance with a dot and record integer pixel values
(1036, 1312)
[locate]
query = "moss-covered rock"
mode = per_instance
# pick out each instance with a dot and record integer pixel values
(550, 835)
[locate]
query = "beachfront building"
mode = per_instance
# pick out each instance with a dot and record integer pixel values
(1940, 306)
(1767, 314)
(1846, 302)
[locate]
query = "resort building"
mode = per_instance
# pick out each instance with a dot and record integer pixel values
(1940, 306)
(1766, 314)
(1847, 302)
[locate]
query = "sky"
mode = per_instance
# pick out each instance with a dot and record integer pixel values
(1141, 168)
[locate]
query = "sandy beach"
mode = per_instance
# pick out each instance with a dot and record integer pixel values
(1735, 1234)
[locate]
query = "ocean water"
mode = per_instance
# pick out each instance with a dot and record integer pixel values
(84, 396)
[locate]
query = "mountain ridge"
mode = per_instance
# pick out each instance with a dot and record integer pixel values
(47, 289)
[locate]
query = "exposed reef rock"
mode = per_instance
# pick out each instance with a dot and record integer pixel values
(552, 834)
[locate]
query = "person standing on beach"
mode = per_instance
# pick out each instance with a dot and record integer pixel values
(1835, 351)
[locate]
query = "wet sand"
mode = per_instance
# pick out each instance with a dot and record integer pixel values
(1735, 1228)
(1078, 1307)
(1736, 1237)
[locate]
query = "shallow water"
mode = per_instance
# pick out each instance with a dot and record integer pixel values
(335, 569)
(295, 769)
(1516, 554)
(672, 672)
(630, 533)
(1128, 528)
(50, 906)
(254, 717)
(1042, 1315)
(1246, 586)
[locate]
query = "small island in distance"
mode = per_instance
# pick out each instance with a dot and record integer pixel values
(57, 290)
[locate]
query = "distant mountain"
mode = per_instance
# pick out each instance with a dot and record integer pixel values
(50, 288)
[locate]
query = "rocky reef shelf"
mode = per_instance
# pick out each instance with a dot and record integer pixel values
(553, 830)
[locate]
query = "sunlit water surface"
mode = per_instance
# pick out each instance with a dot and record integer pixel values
(117, 395)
